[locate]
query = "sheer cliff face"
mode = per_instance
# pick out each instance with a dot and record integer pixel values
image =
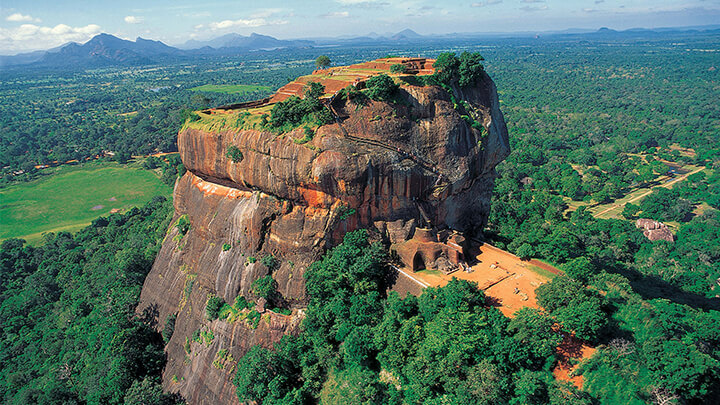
(419, 160)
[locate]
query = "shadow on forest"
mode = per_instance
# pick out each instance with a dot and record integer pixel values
(651, 287)
(492, 302)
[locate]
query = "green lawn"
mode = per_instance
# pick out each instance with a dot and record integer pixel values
(540, 271)
(73, 197)
(230, 88)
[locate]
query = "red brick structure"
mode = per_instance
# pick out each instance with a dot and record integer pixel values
(431, 250)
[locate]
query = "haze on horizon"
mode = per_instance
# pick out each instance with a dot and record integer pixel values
(27, 25)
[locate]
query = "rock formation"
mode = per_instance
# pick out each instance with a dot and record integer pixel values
(381, 166)
(654, 230)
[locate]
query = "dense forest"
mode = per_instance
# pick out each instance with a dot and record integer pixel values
(589, 121)
(450, 346)
(649, 307)
(70, 334)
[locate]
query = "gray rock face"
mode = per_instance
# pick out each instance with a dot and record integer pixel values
(393, 166)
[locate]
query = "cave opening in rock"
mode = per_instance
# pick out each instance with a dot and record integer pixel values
(418, 262)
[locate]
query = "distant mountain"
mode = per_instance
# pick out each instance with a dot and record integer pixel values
(253, 42)
(22, 58)
(406, 34)
(27, 57)
(108, 50)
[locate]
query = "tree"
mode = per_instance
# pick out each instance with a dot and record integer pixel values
(322, 62)
(464, 71)
(213, 306)
(356, 385)
(265, 287)
(579, 268)
(295, 111)
(122, 157)
(534, 330)
(151, 163)
(525, 251)
(398, 68)
(313, 91)
(256, 371)
(234, 153)
(149, 392)
(487, 384)
(381, 87)
(531, 388)
(470, 69)
(576, 308)
(446, 67)
(630, 211)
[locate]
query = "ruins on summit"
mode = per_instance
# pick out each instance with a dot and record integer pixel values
(416, 168)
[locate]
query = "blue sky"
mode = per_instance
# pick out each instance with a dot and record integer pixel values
(40, 24)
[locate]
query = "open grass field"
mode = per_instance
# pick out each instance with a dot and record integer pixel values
(230, 88)
(73, 197)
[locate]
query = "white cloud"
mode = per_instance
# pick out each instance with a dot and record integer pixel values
(131, 19)
(336, 14)
(28, 37)
(251, 22)
(364, 3)
(486, 3)
(532, 9)
(17, 17)
(265, 13)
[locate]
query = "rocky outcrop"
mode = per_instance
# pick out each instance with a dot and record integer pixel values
(654, 230)
(381, 166)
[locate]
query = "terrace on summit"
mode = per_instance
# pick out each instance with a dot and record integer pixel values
(334, 79)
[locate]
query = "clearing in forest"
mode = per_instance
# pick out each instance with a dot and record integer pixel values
(73, 197)
(509, 282)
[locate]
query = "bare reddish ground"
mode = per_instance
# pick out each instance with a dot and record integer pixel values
(352, 74)
(572, 348)
(508, 282)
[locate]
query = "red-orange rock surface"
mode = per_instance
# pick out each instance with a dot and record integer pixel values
(390, 163)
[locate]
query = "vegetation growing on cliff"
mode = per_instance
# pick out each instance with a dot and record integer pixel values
(450, 346)
(70, 333)
(296, 111)
(446, 346)
(464, 71)
(234, 153)
(381, 88)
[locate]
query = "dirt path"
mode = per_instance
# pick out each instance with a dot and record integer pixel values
(409, 276)
(665, 185)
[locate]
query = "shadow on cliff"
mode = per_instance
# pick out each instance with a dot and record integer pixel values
(653, 287)
(149, 316)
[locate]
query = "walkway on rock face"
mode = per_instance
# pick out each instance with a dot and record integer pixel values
(418, 160)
